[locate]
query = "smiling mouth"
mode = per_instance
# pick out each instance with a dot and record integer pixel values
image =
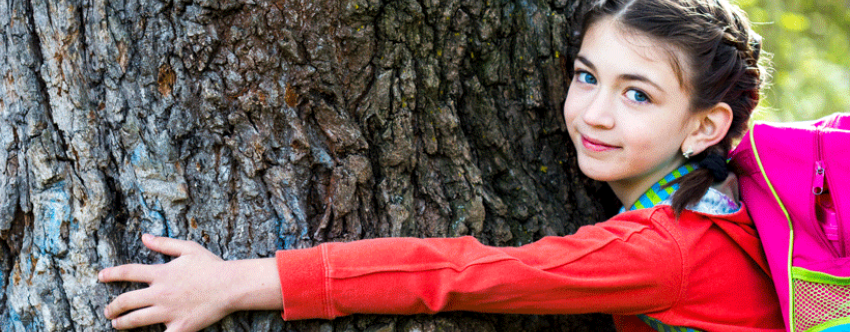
(594, 145)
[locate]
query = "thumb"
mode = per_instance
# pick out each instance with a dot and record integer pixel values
(168, 246)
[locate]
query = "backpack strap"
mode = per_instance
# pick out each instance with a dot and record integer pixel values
(790, 290)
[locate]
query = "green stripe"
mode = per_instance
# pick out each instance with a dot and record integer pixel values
(843, 322)
(790, 225)
(653, 197)
(818, 277)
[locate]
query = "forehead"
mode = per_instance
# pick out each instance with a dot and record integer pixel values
(627, 49)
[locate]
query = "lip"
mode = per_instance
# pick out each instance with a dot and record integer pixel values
(595, 145)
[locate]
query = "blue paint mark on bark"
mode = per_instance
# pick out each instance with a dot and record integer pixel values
(53, 210)
(14, 322)
(137, 155)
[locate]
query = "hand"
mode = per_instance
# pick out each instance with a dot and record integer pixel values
(187, 294)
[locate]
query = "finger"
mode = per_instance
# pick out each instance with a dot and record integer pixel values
(127, 272)
(139, 318)
(168, 246)
(127, 302)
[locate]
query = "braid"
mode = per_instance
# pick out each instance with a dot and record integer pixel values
(734, 77)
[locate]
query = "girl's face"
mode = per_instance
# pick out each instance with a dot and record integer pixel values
(626, 111)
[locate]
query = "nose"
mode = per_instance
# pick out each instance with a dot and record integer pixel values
(598, 111)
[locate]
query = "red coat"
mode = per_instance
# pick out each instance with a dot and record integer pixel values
(703, 271)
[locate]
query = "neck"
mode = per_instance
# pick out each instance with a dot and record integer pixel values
(625, 194)
(628, 191)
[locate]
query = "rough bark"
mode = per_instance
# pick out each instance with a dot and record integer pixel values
(252, 126)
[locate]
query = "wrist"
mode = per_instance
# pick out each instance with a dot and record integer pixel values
(253, 284)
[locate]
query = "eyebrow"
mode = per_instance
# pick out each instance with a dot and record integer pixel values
(627, 77)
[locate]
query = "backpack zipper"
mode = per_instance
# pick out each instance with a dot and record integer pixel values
(819, 175)
(828, 230)
(820, 170)
(832, 229)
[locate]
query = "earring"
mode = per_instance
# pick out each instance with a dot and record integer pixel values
(689, 153)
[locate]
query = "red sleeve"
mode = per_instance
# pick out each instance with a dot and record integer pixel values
(618, 267)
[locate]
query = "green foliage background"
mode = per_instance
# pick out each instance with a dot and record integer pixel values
(810, 42)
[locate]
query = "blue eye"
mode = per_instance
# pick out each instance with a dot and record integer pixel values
(637, 95)
(586, 77)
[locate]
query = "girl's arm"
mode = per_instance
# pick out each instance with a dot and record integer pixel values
(193, 291)
(619, 267)
(622, 267)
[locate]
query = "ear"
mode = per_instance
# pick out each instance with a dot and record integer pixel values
(708, 128)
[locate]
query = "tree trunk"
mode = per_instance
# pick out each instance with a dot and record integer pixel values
(255, 126)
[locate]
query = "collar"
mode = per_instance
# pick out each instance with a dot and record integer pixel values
(720, 199)
(658, 192)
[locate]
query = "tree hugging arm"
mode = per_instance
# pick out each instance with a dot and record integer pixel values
(193, 291)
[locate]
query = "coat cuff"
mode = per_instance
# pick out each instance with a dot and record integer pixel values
(303, 283)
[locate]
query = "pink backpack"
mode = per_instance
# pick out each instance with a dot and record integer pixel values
(795, 182)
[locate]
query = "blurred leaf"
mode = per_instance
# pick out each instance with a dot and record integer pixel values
(794, 22)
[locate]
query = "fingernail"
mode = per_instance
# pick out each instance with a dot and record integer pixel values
(106, 312)
(100, 275)
(147, 237)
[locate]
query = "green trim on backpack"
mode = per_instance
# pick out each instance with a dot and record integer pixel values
(844, 322)
(818, 277)
(790, 225)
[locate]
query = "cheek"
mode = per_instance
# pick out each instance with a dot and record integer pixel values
(645, 137)
(571, 107)
(655, 143)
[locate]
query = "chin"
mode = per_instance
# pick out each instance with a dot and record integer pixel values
(596, 171)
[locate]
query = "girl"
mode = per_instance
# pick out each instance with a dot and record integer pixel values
(660, 91)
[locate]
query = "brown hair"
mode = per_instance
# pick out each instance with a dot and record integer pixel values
(721, 64)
